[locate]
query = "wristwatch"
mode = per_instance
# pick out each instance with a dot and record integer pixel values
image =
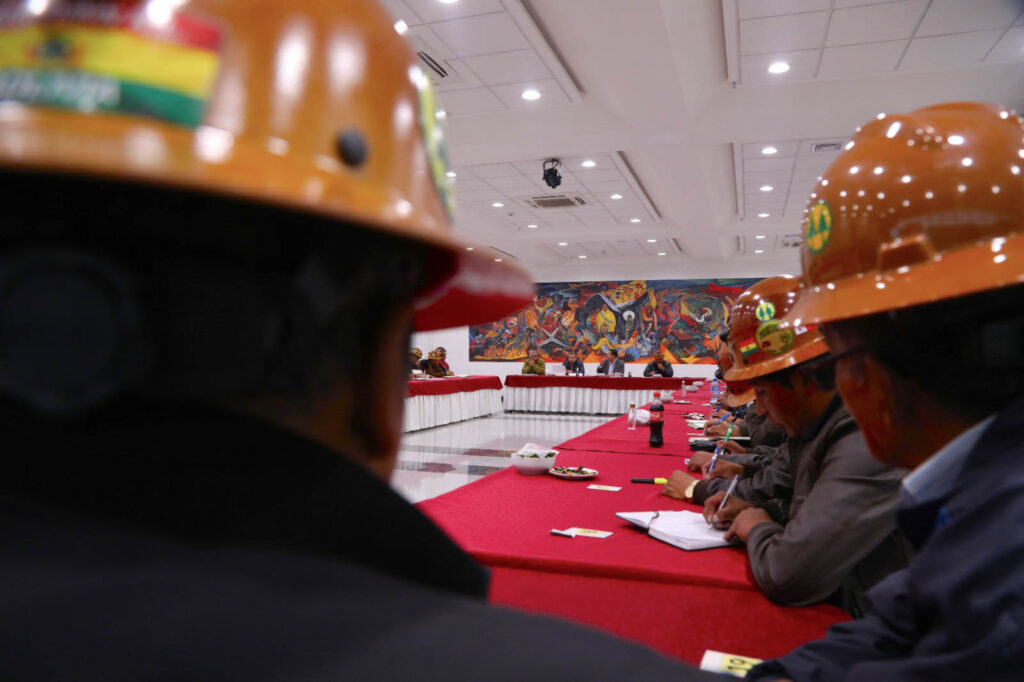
(689, 491)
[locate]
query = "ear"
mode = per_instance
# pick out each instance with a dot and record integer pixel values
(376, 419)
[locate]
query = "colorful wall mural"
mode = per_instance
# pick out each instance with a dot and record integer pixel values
(681, 317)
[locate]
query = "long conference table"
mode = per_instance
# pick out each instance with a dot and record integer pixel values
(681, 603)
(585, 395)
(434, 402)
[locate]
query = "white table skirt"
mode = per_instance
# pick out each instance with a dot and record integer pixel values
(426, 411)
(575, 400)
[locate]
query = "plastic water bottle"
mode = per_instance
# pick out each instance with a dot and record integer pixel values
(631, 417)
(657, 422)
(714, 388)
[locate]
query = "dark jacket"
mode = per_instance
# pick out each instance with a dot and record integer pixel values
(833, 534)
(665, 369)
(168, 544)
(763, 431)
(574, 367)
(956, 612)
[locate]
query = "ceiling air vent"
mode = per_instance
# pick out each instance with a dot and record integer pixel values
(821, 147)
(439, 70)
(556, 201)
(791, 241)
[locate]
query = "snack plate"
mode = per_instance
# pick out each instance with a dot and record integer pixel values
(585, 475)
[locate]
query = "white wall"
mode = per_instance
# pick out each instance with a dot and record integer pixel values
(456, 342)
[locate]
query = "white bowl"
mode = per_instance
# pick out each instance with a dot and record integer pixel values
(533, 465)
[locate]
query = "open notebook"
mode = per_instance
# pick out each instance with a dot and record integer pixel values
(685, 529)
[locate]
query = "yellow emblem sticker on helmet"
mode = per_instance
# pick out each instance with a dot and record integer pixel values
(819, 227)
(774, 339)
(765, 311)
(110, 57)
(435, 139)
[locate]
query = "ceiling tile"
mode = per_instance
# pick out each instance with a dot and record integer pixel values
(752, 9)
(628, 248)
(483, 196)
(754, 193)
(511, 182)
(484, 34)
(806, 175)
(459, 77)
(432, 10)
(603, 161)
(472, 101)
(1020, 19)
(858, 3)
(588, 176)
(768, 163)
(771, 177)
(858, 60)
(752, 150)
(957, 16)
(1010, 48)
(628, 198)
(819, 161)
(495, 170)
(962, 49)
(754, 69)
(509, 67)
(874, 23)
(608, 187)
(551, 94)
(470, 185)
(399, 10)
(783, 34)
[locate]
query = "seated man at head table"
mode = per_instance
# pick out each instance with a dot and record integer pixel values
(207, 434)
(606, 364)
(432, 366)
(818, 519)
(415, 354)
(618, 366)
(534, 363)
(658, 366)
(931, 368)
(573, 364)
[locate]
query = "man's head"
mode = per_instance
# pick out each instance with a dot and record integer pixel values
(920, 291)
(659, 356)
(415, 354)
(265, 257)
(532, 354)
(767, 351)
(572, 356)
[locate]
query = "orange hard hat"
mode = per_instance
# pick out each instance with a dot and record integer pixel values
(317, 106)
(761, 338)
(920, 207)
(738, 392)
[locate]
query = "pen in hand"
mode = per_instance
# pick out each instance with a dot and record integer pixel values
(728, 493)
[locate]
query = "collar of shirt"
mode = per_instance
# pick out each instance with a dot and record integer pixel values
(934, 479)
(812, 432)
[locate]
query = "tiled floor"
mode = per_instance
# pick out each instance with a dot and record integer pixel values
(434, 461)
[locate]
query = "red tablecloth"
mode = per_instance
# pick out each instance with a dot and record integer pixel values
(448, 385)
(599, 381)
(695, 598)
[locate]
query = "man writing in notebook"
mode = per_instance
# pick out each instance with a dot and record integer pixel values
(817, 520)
(922, 304)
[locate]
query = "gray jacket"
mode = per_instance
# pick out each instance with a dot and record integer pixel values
(833, 533)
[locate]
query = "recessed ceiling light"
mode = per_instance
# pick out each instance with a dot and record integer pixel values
(469, 248)
(582, 255)
(769, 150)
(634, 220)
(661, 253)
(766, 188)
(448, 2)
(762, 214)
(651, 241)
(401, 27)
(589, 163)
(563, 243)
(530, 94)
(450, 174)
(497, 204)
(758, 250)
(778, 67)
(616, 196)
(532, 226)
(758, 236)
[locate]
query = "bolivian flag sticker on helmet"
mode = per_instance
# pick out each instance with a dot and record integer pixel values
(819, 227)
(109, 57)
